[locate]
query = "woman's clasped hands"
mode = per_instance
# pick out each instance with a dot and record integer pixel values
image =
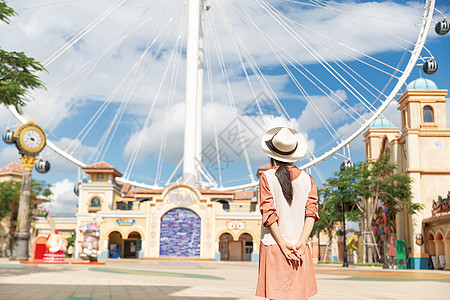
(293, 253)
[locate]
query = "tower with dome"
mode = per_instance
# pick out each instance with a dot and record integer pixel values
(421, 148)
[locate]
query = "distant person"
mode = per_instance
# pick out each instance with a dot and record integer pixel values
(288, 204)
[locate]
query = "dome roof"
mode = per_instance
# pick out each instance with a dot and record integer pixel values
(381, 122)
(422, 84)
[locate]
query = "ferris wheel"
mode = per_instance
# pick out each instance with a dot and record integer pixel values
(164, 87)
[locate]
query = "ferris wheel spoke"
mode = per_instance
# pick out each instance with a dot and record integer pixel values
(383, 35)
(242, 52)
(314, 54)
(81, 78)
(173, 83)
(85, 31)
(260, 75)
(85, 73)
(122, 108)
(352, 88)
(232, 102)
(352, 12)
(351, 73)
(155, 99)
(335, 42)
(345, 84)
(47, 4)
(212, 101)
(290, 59)
(328, 47)
(312, 78)
(324, 121)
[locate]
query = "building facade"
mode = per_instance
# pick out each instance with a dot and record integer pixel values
(177, 222)
(421, 148)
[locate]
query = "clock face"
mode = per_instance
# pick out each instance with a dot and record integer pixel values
(32, 139)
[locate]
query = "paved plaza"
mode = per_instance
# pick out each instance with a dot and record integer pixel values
(159, 279)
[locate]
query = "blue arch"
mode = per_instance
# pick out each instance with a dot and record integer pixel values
(180, 233)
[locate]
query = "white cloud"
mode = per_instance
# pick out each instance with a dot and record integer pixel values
(75, 93)
(64, 199)
(99, 80)
(327, 108)
(9, 154)
(393, 114)
(6, 118)
(350, 23)
(62, 165)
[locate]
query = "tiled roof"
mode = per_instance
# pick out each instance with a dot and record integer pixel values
(99, 165)
(244, 195)
(211, 191)
(238, 195)
(13, 167)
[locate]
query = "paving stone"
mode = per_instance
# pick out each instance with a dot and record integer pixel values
(136, 279)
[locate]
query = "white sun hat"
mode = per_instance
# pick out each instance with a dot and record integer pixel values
(284, 144)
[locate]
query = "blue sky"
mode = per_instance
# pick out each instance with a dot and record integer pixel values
(130, 66)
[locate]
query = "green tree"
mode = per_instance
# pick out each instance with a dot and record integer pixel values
(365, 188)
(17, 71)
(6, 12)
(10, 194)
(380, 183)
(375, 180)
(341, 190)
(327, 214)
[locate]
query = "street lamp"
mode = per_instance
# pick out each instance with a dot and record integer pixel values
(343, 207)
(347, 164)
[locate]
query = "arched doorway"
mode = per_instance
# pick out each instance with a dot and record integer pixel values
(39, 248)
(440, 252)
(447, 248)
(115, 245)
(180, 233)
(224, 240)
(247, 246)
(132, 245)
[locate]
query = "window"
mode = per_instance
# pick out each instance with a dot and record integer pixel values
(225, 204)
(124, 205)
(100, 176)
(428, 114)
(95, 202)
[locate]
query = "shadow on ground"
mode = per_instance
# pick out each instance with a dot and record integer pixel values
(95, 292)
(15, 270)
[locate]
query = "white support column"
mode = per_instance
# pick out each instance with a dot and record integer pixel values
(201, 49)
(192, 77)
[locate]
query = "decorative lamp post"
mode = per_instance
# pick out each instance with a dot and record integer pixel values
(343, 208)
(30, 139)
